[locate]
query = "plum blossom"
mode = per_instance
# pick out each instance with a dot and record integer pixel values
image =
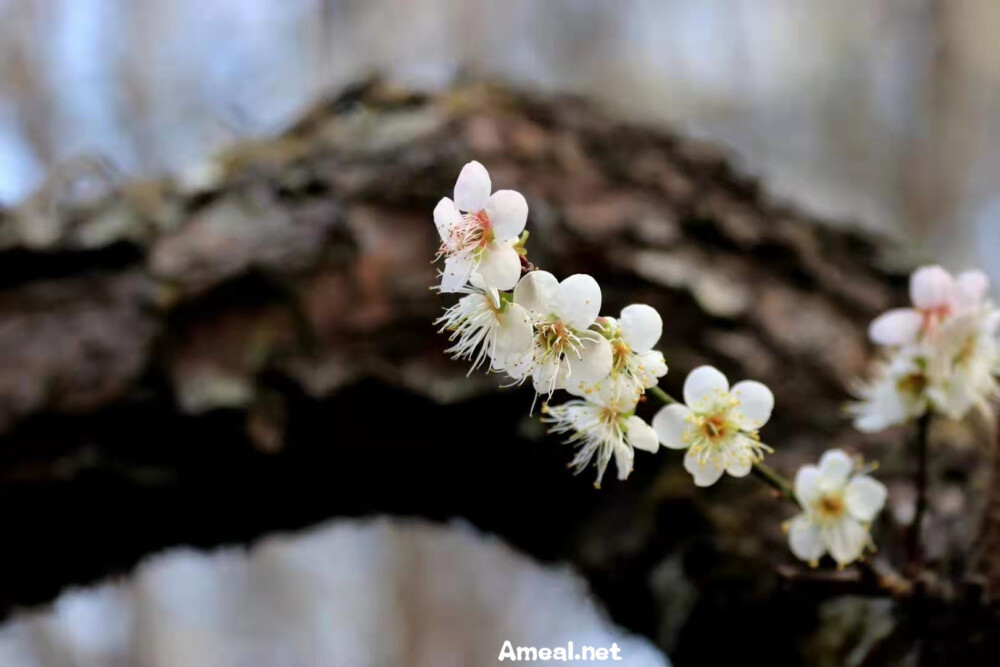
(478, 231)
(603, 425)
(838, 504)
(564, 346)
(717, 425)
(941, 355)
(936, 296)
(486, 323)
(636, 366)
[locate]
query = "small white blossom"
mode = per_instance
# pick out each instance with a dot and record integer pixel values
(563, 346)
(717, 425)
(963, 364)
(486, 323)
(838, 504)
(635, 365)
(478, 231)
(603, 426)
(896, 393)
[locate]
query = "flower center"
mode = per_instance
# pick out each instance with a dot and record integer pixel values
(620, 352)
(967, 351)
(715, 428)
(472, 234)
(830, 506)
(556, 337)
(913, 384)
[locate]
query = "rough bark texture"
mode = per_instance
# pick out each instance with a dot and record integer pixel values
(264, 325)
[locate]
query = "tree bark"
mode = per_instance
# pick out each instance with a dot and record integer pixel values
(264, 323)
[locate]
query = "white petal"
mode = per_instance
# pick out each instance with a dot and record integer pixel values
(865, 497)
(835, 466)
(446, 216)
(500, 266)
(548, 377)
(536, 291)
(741, 461)
(845, 539)
(640, 435)
(578, 301)
(804, 539)
(594, 362)
(670, 424)
(808, 485)
(931, 287)
(705, 474)
(702, 383)
(508, 213)
(756, 403)
(624, 458)
(472, 190)
(641, 327)
(899, 326)
(652, 366)
(457, 271)
(515, 332)
(970, 289)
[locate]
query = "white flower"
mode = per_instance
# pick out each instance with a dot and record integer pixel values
(603, 426)
(563, 345)
(635, 365)
(485, 323)
(837, 508)
(963, 364)
(936, 296)
(896, 394)
(718, 425)
(478, 231)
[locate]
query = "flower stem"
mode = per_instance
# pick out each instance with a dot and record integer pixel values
(662, 395)
(776, 480)
(920, 481)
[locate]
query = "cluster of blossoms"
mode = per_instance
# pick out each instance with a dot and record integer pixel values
(940, 355)
(535, 327)
(525, 323)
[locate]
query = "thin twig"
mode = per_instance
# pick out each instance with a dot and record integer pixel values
(920, 482)
(775, 479)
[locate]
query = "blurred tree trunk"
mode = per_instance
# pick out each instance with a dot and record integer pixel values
(264, 323)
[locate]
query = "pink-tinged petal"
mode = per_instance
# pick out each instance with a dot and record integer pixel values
(457, 271)
(705, 474)
(670, 424)
(641, 435)
(500, 266)
(641, 327)
(446, 216)
(703, 383)
(578, 301)
(846, 540)
(865, 497)
(970, 289)
(835, 466)
(899, 326)
(808, 485)
(756, 403)
(472, 190)
(536, 291)
(508, 213)
(804, 539)
(931, 287)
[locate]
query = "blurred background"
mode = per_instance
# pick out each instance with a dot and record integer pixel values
(215, 326)
(875, 112)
